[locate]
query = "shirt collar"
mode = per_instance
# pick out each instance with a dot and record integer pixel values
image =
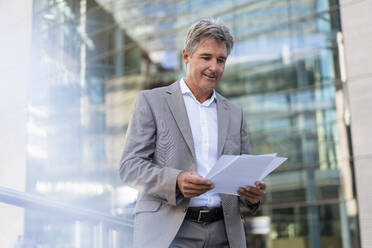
(185, 90)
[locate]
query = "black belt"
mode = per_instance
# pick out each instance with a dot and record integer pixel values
(204, 215)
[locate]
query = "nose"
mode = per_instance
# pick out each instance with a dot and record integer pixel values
(213, 65)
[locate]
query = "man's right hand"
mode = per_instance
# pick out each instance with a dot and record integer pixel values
(191, 184)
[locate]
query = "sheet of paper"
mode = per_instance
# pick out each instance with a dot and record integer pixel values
(221, 164)
(234, 171)
(274, 164)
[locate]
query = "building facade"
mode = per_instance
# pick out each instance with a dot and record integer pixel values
(292, 70)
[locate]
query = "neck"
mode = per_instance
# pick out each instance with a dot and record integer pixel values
(199, 93)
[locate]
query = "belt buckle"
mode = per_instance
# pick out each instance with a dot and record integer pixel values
(203, 211)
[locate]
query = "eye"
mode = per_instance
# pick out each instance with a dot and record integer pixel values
(221, 61)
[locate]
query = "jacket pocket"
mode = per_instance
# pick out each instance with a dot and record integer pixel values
(143, 206)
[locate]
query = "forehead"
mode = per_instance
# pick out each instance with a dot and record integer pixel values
(211, 46)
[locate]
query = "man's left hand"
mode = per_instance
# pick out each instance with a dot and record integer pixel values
(253, 194)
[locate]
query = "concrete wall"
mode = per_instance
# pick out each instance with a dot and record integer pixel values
(356, 18)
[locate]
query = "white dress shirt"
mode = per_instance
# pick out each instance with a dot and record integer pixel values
(203, 123)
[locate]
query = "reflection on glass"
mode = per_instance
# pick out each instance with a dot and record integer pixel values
(91, 58)
(49, 229)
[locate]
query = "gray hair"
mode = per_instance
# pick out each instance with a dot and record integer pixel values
(210, 29)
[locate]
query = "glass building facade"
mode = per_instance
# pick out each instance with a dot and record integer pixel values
(90, 58)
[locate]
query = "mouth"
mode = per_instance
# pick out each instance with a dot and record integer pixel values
(210, 76)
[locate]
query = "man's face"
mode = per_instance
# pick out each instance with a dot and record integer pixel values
(205, 67)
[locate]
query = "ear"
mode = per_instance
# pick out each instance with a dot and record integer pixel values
(185, 56)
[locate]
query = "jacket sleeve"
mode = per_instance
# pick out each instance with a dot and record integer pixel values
(137, 168)
(244, 149)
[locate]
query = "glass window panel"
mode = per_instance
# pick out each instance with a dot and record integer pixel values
(91, 58)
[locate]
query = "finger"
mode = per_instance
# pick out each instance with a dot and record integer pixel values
(197, 188)
(253, 191)
(251, 198)
(245, 193)
(195, 179)
(260, 185)
(192, 175)
(193, 193)
(191, 186)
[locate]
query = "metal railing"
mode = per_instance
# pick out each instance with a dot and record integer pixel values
(30, 201)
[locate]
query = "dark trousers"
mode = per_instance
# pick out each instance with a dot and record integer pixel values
(194, 235)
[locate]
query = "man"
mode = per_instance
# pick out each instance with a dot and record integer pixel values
(175, 136)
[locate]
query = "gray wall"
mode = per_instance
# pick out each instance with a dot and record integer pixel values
(356, 18)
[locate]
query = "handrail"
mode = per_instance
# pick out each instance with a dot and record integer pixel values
(27, 200)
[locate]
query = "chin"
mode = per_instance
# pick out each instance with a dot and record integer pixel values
(210, 84)
(212, 81)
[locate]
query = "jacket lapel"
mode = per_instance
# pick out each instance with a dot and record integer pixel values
(223, 118)
(177, 106)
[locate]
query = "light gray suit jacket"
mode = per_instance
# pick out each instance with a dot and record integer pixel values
(158, 146)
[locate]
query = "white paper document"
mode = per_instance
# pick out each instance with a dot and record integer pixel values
(234, 171)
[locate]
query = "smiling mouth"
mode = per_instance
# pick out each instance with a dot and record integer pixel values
(212, 77)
